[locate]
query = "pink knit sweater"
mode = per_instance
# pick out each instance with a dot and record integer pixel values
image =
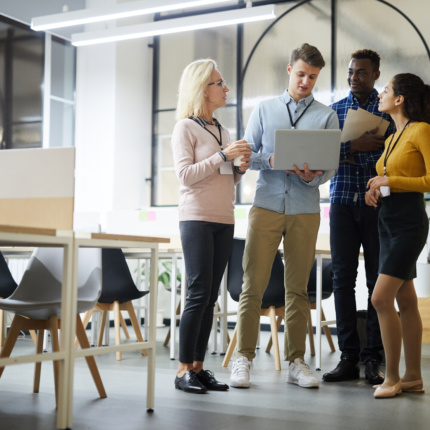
(204, 194)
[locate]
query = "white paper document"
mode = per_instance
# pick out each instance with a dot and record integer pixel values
(359, 121)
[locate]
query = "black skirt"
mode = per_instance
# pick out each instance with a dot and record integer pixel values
(403, 229)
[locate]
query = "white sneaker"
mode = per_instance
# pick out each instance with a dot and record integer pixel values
(240, 373)
(300, 374)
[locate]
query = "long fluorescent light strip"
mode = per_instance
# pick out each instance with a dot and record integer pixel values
(167, 26)
(123, 10)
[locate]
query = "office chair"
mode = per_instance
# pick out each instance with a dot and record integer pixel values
(118, 291)
(273, 304)
(36, 303)
(7, 287)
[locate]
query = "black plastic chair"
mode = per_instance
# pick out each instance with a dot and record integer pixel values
(327, 290)
(7, 287)
(273, 300)
(118, 291)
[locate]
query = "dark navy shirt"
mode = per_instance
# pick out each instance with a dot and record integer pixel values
(348, 186)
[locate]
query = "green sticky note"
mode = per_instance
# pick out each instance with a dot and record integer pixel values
(143, 216)
(240, 213)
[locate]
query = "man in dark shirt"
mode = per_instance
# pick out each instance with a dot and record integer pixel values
(353, 224)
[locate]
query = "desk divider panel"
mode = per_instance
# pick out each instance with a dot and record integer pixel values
(37, 187)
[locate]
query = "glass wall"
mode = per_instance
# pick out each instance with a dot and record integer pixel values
(360, 24)
(37, 88)
(62, 94)
(176, 52)
(21, 73)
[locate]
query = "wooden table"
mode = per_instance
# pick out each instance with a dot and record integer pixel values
(71, 242)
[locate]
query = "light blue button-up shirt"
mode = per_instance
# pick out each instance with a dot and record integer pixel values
(277, 190)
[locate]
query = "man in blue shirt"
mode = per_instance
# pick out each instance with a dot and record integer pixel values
(286, 205)
(354, 224)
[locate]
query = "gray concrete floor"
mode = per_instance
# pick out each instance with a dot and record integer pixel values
(269, 404)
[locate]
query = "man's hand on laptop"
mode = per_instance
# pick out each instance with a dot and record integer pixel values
(306, 175)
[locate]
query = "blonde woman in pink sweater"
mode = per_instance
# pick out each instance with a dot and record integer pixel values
(203, 157)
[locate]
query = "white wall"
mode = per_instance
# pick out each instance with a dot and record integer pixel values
(113, 125)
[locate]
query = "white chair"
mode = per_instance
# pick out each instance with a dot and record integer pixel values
(37, 304)
(7, 287)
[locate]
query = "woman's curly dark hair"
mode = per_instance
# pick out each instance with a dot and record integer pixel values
(416, 95)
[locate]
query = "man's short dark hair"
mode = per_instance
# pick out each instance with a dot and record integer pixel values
(373, 56)
(309, 54)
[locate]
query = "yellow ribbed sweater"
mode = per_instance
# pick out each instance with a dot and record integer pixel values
(408, 165)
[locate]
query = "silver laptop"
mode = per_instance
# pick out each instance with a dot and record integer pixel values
(319, 148)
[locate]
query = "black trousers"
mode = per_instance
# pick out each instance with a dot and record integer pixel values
(350, 228)
(206, 247)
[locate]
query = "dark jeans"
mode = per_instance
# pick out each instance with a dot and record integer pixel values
(206, 247)
(350, 227)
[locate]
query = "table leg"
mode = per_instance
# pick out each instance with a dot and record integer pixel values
(318, 310)
(173, 307)
(223, 319)
(68, 329)
(152, 330)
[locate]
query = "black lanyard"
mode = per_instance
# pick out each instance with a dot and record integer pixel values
(388, 153)
(202, 122)
(293, 124)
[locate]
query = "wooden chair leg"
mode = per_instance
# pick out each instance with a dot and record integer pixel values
(85, 322)
(53, 328)
(273, 328)
(11, 338)
(38, 366)
(87, 318)
(91, 362)
(278, 323)
(178, 311)
(230, 348)
(102, 328)
(135, 323)
(2, 326)
(33, 337)
(116, 319)
(167, 339)
(327, 333)
(311, 332)
(124, 326)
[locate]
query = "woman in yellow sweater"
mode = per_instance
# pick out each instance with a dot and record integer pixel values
(404, 175)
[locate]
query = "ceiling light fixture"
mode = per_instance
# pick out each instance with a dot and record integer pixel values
(168, 26)
(123, 10)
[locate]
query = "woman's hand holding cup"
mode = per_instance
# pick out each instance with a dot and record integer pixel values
(240, 152)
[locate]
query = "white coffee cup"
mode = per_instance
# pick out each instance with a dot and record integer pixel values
(238, 160)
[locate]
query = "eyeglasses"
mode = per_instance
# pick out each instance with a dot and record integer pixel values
(220, 83)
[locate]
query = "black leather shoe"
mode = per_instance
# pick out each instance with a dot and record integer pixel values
(344, 371)
(372, 372)
(207, 378)
(190, 383)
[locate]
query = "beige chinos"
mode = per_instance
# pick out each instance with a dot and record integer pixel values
(265, 231)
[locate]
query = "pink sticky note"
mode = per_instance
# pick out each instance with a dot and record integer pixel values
(326, 212)
(152, 216)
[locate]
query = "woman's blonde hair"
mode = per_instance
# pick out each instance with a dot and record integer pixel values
(194, 80)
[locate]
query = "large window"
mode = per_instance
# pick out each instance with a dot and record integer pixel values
(176, 52)
(59, 95)
(21, 71)
(37, 88)
(393, 29)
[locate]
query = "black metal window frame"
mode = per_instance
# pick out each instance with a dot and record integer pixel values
(241, 68)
